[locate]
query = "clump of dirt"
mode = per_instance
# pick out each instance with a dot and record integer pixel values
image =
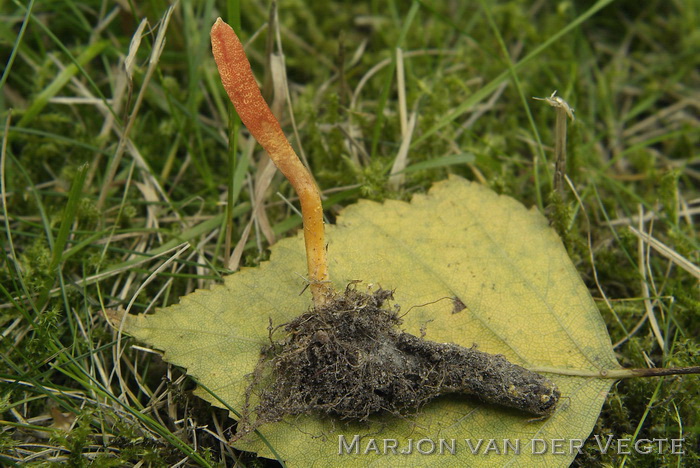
(350, 359)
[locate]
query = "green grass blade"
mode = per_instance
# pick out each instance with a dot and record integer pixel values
(40, 101)
(18, 42)
(69, 214)
(489, 88)
(389, 77)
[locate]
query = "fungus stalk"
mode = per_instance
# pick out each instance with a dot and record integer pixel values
(242, 89)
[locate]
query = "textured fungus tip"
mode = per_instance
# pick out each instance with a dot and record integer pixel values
(242, 89)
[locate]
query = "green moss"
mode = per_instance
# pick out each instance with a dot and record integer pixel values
(88, 212)
(373, 180)
(668, 195)
(35, 265)
(560, 215)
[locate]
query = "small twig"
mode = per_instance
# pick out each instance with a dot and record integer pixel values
(563, 110)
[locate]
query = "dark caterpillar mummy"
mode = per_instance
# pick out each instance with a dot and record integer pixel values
(349, 359)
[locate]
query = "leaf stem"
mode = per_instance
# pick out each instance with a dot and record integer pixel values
(242, 89)
(619, 373)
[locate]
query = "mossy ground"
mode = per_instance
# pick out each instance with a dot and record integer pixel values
(79, 239)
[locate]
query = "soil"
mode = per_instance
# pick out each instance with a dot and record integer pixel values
(350, 359)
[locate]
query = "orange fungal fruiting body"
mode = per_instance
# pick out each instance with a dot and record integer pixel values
(242, 89)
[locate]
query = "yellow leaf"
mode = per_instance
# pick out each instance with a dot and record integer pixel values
(459, 245)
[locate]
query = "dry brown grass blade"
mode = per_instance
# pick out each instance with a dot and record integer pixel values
(642, 258)
(668, 252)
(261, 186)
(401, 161)
(124, 140)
